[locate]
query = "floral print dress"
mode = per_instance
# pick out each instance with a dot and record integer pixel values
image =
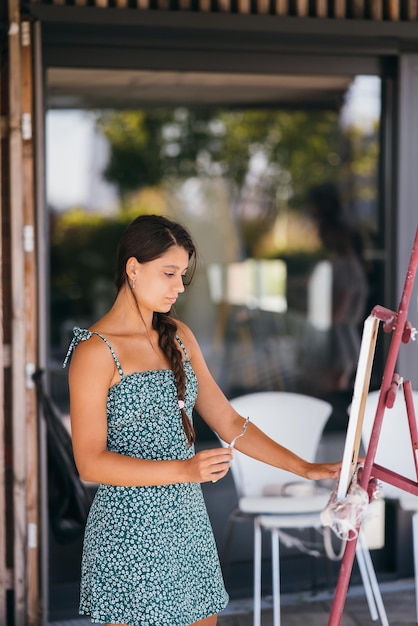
(149, 555)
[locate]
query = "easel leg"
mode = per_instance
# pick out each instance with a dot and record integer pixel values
(415, 546)
(342, 584)
(275, 547)
(257, 573)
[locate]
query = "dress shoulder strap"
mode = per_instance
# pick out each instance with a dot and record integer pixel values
(83, 334)
(183, 347)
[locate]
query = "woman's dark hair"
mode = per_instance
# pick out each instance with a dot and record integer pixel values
(147, 238)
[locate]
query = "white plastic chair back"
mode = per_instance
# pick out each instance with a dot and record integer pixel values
(294, 420)
(394, 450)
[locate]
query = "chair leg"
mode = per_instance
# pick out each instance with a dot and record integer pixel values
(415, 549)
(226, 548)
(366, 581)
(257, 572)
(363, 555)
(275, 563)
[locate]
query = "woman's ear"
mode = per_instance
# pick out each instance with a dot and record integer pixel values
(131, 269)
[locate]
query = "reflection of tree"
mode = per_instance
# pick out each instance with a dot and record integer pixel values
(265, 160)
(266, 155)
(82, 258)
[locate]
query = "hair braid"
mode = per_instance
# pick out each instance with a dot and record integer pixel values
(166, 328)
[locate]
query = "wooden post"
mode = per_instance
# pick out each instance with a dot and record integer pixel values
(412, 10)
(185, 5)
(358, 8)
(394, 10)
(32, 480)
(24, 430)
(244, 6)
(376, 9)
(321, 9)
(224, 6)
(263, 6)
(339, 9)
(281, 7)
(3, 565)
(18, 320)
(302, 8)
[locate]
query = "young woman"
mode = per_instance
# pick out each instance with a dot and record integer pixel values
(149, 555)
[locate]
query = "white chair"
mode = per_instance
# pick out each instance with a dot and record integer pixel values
(394, 452)
(296, 421)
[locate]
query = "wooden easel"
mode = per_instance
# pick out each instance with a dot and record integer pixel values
(395, 322)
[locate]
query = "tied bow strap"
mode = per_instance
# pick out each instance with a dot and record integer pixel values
(79, 334)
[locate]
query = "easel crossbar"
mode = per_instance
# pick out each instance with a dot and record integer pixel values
(392, 478)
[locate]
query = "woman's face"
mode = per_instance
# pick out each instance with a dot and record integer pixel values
(159, 282)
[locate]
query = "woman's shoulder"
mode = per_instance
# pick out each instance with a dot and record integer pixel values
(87, 345)
(188, 339)
(184, 331)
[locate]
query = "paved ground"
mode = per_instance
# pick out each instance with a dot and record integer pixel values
(398, 598)
(307, 610)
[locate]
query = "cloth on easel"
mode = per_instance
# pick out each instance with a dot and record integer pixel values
(345, 516)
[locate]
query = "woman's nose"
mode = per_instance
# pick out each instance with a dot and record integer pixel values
(180, 285)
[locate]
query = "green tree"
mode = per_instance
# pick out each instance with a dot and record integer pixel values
(298, 147)
(266, 155)
(82, 268)
(270, 158)
(134, 137)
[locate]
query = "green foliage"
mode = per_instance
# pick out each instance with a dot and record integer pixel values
(82, 257)
(299, 148)
(270, 158)
(134, 138)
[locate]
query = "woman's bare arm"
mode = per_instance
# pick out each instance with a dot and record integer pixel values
(218, 413)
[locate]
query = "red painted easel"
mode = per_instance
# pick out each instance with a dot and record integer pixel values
(395, 322)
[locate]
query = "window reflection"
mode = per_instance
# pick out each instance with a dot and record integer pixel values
(254, 283)
(264, 301)
(347, 287)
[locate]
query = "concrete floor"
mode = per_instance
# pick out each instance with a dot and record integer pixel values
(307, 610)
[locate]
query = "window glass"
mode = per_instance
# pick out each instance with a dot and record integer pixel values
(283, 205)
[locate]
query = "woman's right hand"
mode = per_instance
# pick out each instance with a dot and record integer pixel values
(209, 465)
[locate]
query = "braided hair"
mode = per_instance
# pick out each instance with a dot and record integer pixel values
(146, 239)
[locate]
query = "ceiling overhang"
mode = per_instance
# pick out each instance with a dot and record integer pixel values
(101, 88)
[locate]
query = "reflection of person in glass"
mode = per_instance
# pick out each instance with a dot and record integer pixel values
(149, 554)
(349, 284)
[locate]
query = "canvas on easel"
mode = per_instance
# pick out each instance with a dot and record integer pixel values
(355, 422)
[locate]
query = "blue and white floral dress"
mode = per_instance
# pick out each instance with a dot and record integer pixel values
(149, 556)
